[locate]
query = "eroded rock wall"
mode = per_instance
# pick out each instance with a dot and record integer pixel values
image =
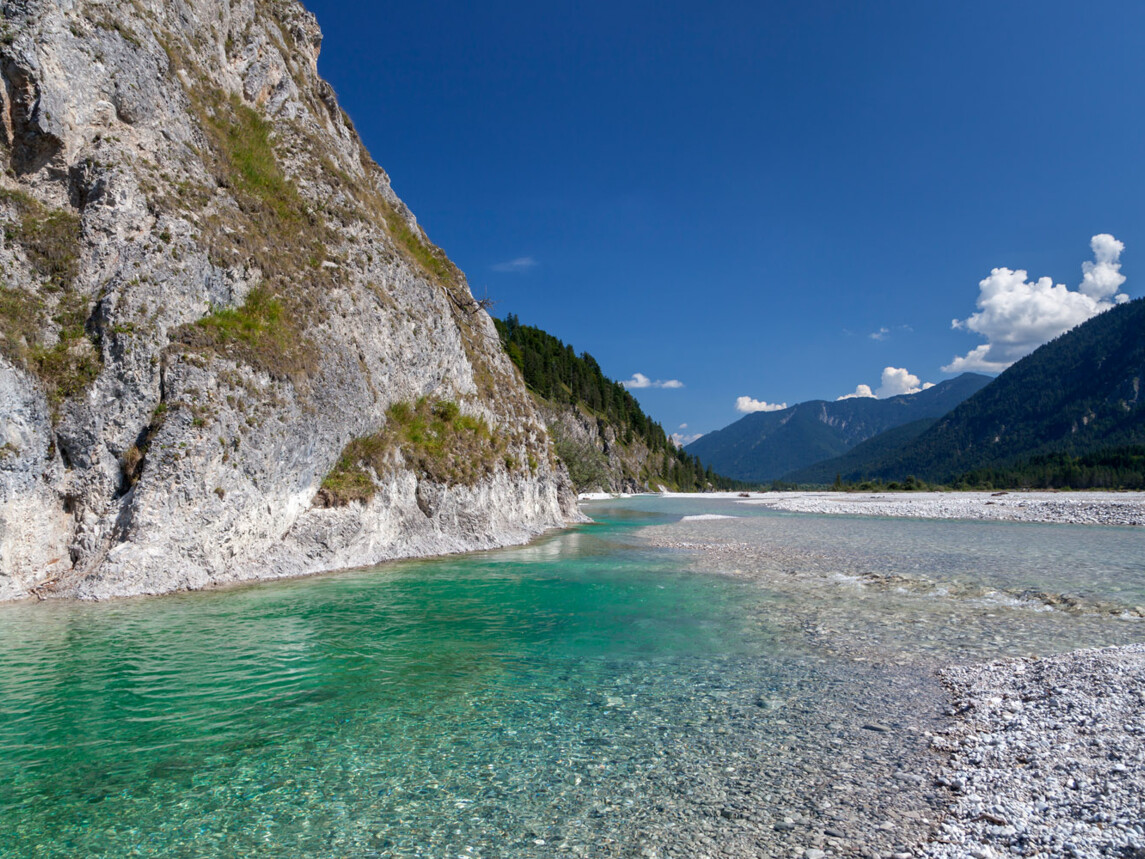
(209, 290)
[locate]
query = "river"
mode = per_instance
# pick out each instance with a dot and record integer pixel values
(648, 685)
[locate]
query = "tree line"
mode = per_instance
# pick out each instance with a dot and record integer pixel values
(554, 371)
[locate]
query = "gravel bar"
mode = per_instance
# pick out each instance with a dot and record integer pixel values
(1048, 757)
(1077, 508)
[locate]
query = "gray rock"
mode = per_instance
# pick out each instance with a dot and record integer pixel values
(158, 458)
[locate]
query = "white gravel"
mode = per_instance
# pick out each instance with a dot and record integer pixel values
(1080, 508)
(1048, 758)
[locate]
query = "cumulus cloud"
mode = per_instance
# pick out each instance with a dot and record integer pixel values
(639, 380)
(748, 406)
(860, 391)
(1102, 278)
(896, 381)
(518, 264)
(1017, 315)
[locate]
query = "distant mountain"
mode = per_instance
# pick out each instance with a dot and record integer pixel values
(767, 445)
(1076, 395)
(860, 458)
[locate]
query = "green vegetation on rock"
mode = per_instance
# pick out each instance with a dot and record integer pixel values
(434, 440)
(271, 229)
(50, 237)
(44, 329)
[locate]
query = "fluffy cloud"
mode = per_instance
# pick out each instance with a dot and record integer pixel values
(1102, 278)
(683, 439)
(896, 382)
(747, 405)
(639, 380)
(518, 264)
(1017, 315)
(860, 391)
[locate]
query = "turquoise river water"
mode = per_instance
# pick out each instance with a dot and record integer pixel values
(597, 693)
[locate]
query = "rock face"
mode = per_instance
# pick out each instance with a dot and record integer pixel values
(611, 464)
(213, 307)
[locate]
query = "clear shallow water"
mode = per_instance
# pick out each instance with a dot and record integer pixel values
(587, 695)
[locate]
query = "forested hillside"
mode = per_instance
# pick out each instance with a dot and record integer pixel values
(858, 458)
(598, 427)
(1077, 398)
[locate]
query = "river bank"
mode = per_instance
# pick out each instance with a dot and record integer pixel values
(1047, 757)
(1075, 508)
(684, 678)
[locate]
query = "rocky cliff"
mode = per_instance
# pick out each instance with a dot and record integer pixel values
(227, 349)
(597, 457)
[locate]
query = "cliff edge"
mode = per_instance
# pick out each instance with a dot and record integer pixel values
(228, 351)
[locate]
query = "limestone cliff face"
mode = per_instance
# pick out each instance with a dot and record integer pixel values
(227, 349)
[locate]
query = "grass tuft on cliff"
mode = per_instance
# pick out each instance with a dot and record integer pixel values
(50, 237)
(434, 440)
(44, 330)
(271, 229)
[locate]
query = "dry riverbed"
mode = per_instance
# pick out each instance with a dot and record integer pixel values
(1048, 758)
(1078, 508)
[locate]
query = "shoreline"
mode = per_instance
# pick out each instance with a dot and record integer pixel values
(1083, 507)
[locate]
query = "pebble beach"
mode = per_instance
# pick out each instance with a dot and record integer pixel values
(1076, 508)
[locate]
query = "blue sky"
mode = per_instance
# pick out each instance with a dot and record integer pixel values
(737, 196)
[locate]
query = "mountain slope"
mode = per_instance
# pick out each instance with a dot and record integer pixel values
(1076, 395)
(767, 445)
(227, 349)
(858, 460)
(600, 431)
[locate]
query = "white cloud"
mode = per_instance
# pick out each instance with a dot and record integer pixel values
(639, 380)
(518, 264)
(860, 391)
(748, 406)
(684, 439)
(896, 381)
(881, 334)
(1017, 315)
(1102, 278)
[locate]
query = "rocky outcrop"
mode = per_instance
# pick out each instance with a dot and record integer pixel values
(598, 457)
(211, 299)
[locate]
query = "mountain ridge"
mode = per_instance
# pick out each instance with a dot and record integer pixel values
(768, 445)
(1076, 395)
